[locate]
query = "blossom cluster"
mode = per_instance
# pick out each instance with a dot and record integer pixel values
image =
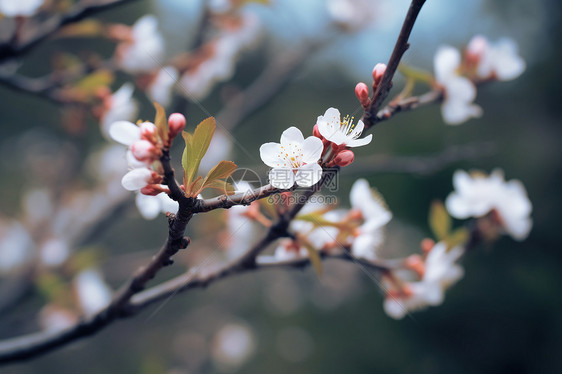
(143, 153)
(483, 61)
(299, 160)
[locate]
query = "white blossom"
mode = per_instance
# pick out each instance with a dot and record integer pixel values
(150, 206)
(352, 14)
(160, 89)
(476, 195)
(23, 8)
(420, 295)
(241, 228)
(441, 266)
(197, 83)
(16, 247)
(441, 272)
(92, 292)
(54, 252)
(375, 215)
(340, 132)
(499, 60)
(136, 179)
(146, 51)
(459, 93)
(286, 251)
(295, 159)
(121, 107)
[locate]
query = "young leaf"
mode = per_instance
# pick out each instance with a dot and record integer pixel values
(318, 220)
(221, 171)
(439, 220)
(457, 237)
(314, 258)
(161, 122)
(221, 185)
(197, 147)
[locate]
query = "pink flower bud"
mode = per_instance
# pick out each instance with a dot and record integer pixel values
(144, 151)
(344, 158)
(378, 73)
(362, 93)
(426, 245)
(475, 49)
(416, 263)
(176, 124)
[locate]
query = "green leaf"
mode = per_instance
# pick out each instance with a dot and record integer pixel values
(314, 258)
(439, 220)
(221, 185)
(87, 28)
(196, 148)
(317, 219)
(213, 179)
(161, 122)
(457, 237)
(222, 170)
(90, 83)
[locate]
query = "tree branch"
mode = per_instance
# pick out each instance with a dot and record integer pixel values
(34, 35)
(383, 88)
(129, 299)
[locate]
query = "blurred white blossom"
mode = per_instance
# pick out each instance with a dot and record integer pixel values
(476, 195)
(197, 82)
(374, 212)
(24, 8)
(440, 272)
(499, 60)
(92, 292)
(119, 107)
(160, 89)
(145, 51)
(459, 91)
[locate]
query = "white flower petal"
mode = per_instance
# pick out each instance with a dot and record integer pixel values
(136, 179)
(149, 206)
(271, 155)
(312, 148)
(446, 62)
(282, 178)
(125, 132)
(308, 175)
(360, 142)
(167, 204)
(291, 136)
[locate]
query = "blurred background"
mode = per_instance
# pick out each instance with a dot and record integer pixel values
(505, 316)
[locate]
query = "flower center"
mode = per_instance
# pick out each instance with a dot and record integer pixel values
(292, 153)
(347, 125)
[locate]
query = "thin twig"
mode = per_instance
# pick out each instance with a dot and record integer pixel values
(36, 33)
(383, 88)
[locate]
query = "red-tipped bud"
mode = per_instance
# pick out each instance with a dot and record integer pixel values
(149, 132)
(378, 72)
(150, 190)
(176, 124)
(145, 151)
(475, 49)
(416, 263)
(344, 158)
(316, 132)
(362, 93)
(426, 245)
